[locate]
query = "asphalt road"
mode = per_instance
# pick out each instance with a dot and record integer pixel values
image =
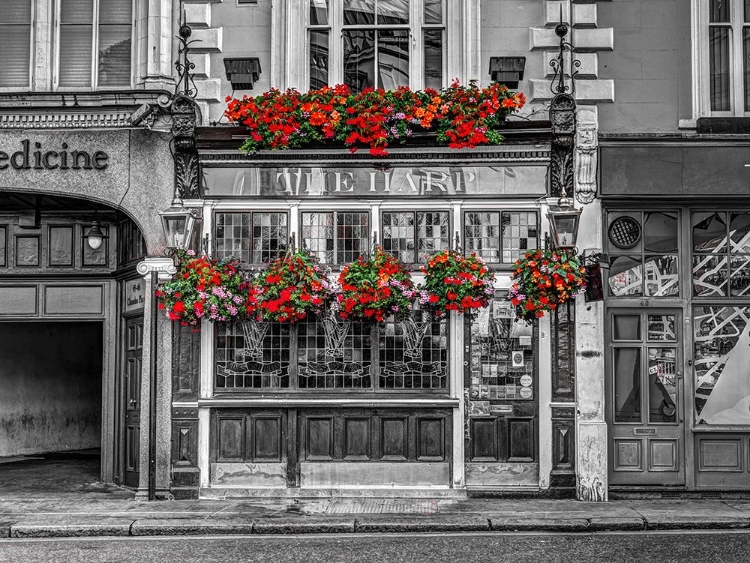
(638, 547)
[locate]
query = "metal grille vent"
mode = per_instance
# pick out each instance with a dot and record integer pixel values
(624, 232)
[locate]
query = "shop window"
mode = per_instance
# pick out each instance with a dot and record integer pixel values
(413, 235)
(253, 238)
(376, 43)
(643, 250)
(94, 44)
(500, 237)
(15, 43)
(501, 362)
(130, 243)
(721, 254)
(721, 345)
(3, 246)
(406, 353)
(336, 237)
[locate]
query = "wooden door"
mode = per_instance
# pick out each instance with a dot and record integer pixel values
(501, 395)
(132, 397)
(644, 387)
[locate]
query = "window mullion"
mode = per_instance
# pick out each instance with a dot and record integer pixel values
(95, 47)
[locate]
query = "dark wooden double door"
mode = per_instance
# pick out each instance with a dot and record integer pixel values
(133, 348)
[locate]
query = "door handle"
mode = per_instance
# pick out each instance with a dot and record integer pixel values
(132, 402)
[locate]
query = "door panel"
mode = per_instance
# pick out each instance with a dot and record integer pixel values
(645, 411)
(132, 396)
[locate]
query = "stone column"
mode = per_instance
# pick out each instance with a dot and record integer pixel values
(164, 267)
(591, 426)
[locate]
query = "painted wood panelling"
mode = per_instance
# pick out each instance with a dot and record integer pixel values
(73, 300)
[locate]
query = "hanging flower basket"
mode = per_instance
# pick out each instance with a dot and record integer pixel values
(374, 288)
(290, 288)
(543, 280)
(462, 116)
(454, 282)
(203, 288)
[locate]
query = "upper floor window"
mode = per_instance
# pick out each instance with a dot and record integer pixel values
(94, 44)
(15, 44)
(376, 43)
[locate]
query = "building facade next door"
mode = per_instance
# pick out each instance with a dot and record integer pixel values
(646, 418)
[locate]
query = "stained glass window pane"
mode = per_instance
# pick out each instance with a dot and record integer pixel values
(482, 235)
(252, 355)
(719, 68)
(232, 238)
(359, 59)
(318, 235)
(519, 234)
(398, 235)
(270, 235)
(393, 59)
(432, 233)
(352, 235)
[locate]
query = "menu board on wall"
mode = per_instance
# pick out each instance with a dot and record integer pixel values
(396, 182)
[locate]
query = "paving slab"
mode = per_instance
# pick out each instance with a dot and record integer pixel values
(451, 523)
(190, 526)
(692, 522)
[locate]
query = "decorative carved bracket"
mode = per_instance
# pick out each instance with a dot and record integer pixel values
(563, 117)
(184, 120)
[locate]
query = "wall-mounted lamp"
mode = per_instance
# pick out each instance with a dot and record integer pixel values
(507, 70)
(242, 72)
(563, 221)
(94, 235)
(178, 225)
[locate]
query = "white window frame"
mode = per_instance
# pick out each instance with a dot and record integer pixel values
(701, 64)
(290, 55)
(95, 50)
(32, 54)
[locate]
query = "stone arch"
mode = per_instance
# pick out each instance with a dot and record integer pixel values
(138, 179)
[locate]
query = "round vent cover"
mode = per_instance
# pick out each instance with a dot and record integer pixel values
(624, 232)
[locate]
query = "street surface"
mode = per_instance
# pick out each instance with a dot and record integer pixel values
(636, 547)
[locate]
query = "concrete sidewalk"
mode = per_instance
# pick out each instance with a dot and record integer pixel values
(67, 516)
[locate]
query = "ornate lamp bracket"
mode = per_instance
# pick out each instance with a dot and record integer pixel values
(563, 118)
(185, 117)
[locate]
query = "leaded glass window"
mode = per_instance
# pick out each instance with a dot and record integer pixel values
(500, 237)
(412, 235)
(256, 237)
(336, 237)
(643, 250)
(252, 355)
(721, 253)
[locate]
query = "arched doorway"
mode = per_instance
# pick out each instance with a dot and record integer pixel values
(66, 306)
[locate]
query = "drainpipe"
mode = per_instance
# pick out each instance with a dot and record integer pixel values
(152, 392)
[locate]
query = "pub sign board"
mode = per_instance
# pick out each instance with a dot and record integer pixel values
(367, 182)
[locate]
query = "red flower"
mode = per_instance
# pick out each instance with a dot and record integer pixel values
(178, 307)
(434, 298)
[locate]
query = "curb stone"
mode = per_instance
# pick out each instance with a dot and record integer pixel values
(697, 523)
(4, 529)
(68, 530)
(538, 524)
(474, 524)
(190, 527)
(620, 524)
(303, 527)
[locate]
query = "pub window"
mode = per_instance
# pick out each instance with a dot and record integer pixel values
(410, 235)
(3, 246)
(377, 43)
(643, 250)
(130, 243)
(94, 43)
(721, 253)
(406, 353)
(255, 237)
(336, 237)
(500, 237)
(15, 43)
